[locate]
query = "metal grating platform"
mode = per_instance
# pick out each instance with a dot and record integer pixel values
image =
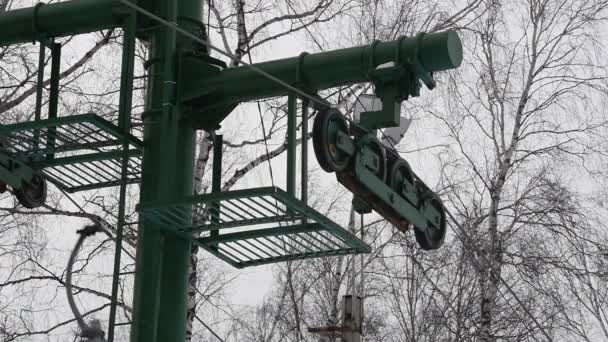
(255, 226)
(80, 152)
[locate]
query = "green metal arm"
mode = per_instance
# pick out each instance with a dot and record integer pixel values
(59, 20)
(421, 56)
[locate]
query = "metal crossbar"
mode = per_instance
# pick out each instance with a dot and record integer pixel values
(255, 226)
(80, 152)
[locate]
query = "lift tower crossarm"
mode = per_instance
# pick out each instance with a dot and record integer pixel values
(206, 90)
(59, 20)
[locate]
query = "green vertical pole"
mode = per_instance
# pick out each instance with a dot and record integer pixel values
(216, 180)
(161, 283)
(304, 173)
(124, 122)
(53, 96)
(55, 74)
(39, 89)
(292, 103)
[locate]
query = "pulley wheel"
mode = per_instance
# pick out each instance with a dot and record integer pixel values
(434, 234)
(32, 194)
(325, 140)
(401, 176)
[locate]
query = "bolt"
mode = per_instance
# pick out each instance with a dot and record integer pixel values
(332, 149)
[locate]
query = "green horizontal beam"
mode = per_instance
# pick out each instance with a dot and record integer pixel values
(241, 223)
(300, 207)
(59, 20)
(431, 52)
(252, 234)
(265, 261)
(64, 120)
(298, 256)
(213, 197)
(91, 118)
(293, 204)
(92, 186)
(84, 158)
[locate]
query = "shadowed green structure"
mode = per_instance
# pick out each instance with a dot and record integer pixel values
(188, 90)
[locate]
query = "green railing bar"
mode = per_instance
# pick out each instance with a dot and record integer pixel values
(84, 158)
(303, 236)
(220, 253)
(292, 238)
(29, 125)
(265, 232)
(261, 242)
(261, 245)
(300, 256)
(71, 176)
(237, 254)
(276, 207)
(91, 118)
(91, 173)
(247, 222)
(319, 241)
(309, 212)
(219, 212)
(288, 247)
(99, 185)
(251, 207)
(263, 204)
(115, 130)
(276, 245)
(225, 208)
(207, 198)
(312, 246)
(237, 206)
(241, 243)
(108, 168)
(338, 245)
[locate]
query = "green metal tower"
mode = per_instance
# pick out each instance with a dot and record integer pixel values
(188, 91)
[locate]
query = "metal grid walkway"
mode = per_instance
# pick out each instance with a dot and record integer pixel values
(80, 152)
(255, 226)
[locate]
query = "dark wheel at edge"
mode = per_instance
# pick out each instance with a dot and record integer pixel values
(33, 194)
(325, 130)
(433, 236)
(400, 174)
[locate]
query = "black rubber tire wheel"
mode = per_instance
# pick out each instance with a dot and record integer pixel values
(33, 194)
(400, 172)
(432, 237)
(324, 140)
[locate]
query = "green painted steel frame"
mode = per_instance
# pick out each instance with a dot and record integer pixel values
(65, 120)
(23, 138)
(124, 125)
(290, 213)
(159, 312)
(211, 245)
(210, 101)
(60, 20)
